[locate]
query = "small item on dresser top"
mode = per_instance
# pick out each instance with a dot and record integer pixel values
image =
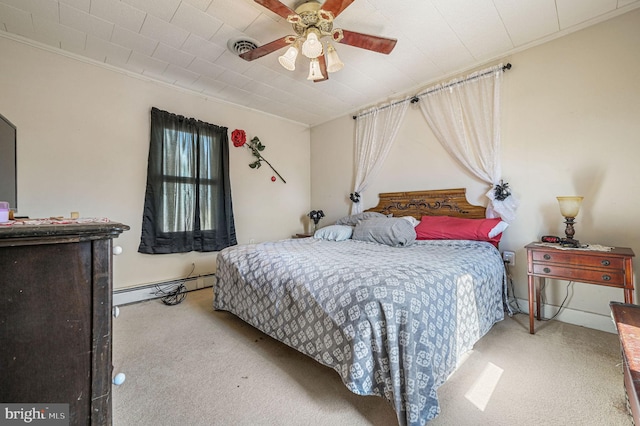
(4, 211)
(550, 239)
(588, 247)
(54, 220)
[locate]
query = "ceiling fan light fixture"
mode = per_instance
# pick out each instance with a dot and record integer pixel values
(312, 23)
(333, 61)
(314, 70)
(312, 47)
(288, 60)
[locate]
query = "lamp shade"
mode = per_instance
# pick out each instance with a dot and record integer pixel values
(312, 47)
(333, 61)
(570, 206)
(314, 70)
(288, 60)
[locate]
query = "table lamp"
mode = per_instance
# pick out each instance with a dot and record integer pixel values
(569, 208)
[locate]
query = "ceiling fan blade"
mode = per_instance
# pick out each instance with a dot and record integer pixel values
(336, 6)
(277, 7)
(265, 49)
(323, 68)
(369, 42)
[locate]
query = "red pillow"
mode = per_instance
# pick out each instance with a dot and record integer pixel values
(456, 228)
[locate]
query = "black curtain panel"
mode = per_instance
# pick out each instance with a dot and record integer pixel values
(187, 204)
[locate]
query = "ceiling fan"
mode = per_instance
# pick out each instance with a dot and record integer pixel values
(312, 21)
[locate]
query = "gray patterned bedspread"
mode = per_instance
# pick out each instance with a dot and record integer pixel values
(392, 322)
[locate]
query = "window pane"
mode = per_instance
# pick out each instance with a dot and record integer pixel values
(178, 171)
(209, 204)
(177, 207)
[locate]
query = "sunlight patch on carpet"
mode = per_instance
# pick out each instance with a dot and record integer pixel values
(480, 392)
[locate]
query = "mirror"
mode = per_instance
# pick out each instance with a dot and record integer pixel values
(8, 164)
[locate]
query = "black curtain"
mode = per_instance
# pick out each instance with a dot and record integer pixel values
(187, 204)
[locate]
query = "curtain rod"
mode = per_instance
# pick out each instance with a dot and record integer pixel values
(416, 98)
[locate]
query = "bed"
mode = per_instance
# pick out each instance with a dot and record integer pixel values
(392, 321)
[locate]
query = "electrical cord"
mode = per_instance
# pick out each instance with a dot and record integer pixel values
(561, 305)
(175, 294)
(517, 309)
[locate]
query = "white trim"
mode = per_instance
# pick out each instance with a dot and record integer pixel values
(148, 291)
(573, 316)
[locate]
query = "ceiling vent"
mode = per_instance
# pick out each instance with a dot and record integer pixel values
(240, 45)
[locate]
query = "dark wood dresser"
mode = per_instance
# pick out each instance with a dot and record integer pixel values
(55, 317)
(627, 320)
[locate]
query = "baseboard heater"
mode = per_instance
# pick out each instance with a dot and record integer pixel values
(127, 296)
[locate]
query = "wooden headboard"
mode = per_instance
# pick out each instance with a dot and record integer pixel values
(439, 202)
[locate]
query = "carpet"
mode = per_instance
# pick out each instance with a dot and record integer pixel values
(190, 365)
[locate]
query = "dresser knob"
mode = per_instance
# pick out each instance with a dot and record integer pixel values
(605, 263)
(547, 256)
(546, 270)
(606, 278)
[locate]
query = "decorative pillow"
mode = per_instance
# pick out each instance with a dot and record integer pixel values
(355, 218)
(334, 233)
(412, 220)
(395, 232)
(457, 228)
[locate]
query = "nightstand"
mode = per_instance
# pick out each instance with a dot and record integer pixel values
(609, 268)
(303, 235)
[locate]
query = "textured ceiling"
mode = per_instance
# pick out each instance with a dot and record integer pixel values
(184, 43)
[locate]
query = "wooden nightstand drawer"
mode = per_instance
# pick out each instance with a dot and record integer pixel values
(568, 258)
(605, 277)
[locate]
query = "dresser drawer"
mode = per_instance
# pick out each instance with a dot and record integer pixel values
(567, 258)
(602, 276)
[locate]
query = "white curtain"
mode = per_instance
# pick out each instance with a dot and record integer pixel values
(465, 117)
(376, 129)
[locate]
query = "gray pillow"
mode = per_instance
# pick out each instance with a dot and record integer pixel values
(334, 233)
(354, 219)
(392, 231)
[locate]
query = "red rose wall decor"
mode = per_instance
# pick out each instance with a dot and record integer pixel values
(239, 138)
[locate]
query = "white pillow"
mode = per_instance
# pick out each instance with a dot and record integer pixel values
(412, 220)
(501, 226)
(334, 233)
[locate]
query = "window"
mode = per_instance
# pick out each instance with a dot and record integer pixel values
(187, 203)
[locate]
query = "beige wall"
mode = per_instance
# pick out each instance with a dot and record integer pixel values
(570, 126)
(83, 138)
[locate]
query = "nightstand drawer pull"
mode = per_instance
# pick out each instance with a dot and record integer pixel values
(546, 270)
(606, 278)
(605, 263)
(547, 256)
